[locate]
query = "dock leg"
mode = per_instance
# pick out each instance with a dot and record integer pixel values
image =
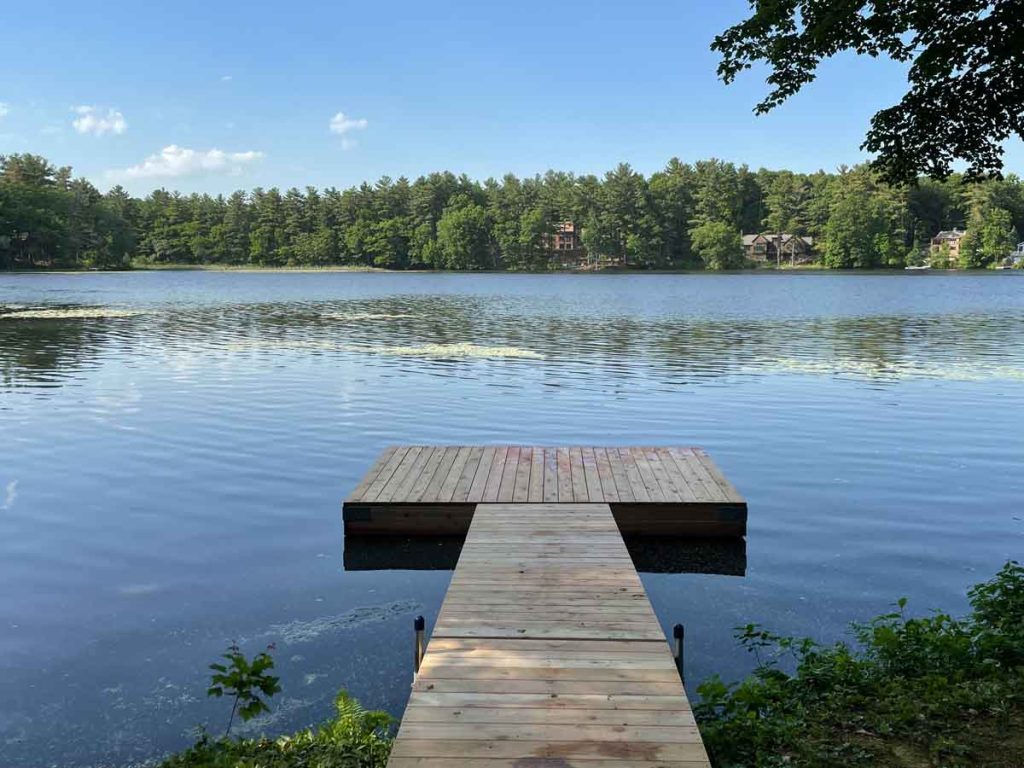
(678, 633)
(419, 624)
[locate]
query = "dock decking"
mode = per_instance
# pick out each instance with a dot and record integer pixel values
(434, 489)
(547, 653)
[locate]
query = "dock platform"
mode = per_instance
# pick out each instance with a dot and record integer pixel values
(434, 490)
(547, 653)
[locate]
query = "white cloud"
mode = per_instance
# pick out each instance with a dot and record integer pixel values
(174, 161)
(226, 78)
(92, 120)
(5, 110)
(342, 124)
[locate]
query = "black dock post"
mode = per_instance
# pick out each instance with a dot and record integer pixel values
(419, 624)
(678, 633)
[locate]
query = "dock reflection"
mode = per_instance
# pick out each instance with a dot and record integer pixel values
(725, 556)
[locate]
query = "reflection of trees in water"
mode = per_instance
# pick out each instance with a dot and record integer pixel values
(601, 346)
(44, 353)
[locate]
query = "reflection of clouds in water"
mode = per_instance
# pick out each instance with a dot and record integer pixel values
(77, 313)
(10, 495)
(253, 345)
(137, 590)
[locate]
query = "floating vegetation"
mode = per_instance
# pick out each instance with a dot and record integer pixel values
(896, 369)
(453, 351)
(358, 316)
(68, 313)
(308, 631)
(436, 351)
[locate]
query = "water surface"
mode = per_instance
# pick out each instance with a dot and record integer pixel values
(174, 448)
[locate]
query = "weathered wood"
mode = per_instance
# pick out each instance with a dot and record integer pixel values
(494, 476)
(685, 493)
(547, 649)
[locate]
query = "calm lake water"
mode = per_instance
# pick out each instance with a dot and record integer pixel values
(171, 471)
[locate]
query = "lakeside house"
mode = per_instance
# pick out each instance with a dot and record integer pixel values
(567, 245)
(778, 247)
(947, 241)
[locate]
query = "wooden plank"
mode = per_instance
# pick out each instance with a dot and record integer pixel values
(668, 488)
(647, 475)
(476, 490)
(462, 488)
(402, 481)
(521, 486)
(525, 762)
(681, 476)
(494, 476)
(619, 477)
(579, 480)
(550, 475)
(604, 473)
(705, 487)
(385, 474)
(594, 492)
(536, 490)
(727, 488)
(564, 469)
(378, 465)
(454, 475)
(581, 716)
(433, 489)
(426, 473)
(508, 476)
(636, 483)
(558, 752)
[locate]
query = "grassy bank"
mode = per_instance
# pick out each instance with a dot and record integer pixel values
(906, 693)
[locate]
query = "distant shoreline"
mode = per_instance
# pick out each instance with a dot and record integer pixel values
(251, 268)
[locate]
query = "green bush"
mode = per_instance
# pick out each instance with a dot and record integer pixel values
(910, 692)
(354, 738)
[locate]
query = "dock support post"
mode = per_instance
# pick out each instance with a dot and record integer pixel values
(678, 633)
(419, 624)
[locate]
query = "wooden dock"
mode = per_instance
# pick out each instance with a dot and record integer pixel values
(547, 654)
(433, 490)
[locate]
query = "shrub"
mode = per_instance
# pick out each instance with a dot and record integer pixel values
(353, 738)
(911, 691)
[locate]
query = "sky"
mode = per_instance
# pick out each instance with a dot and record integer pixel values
(217, 96)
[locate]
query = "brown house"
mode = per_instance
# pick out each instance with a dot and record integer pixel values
(779, 247)
(567, 244)
(950, 240)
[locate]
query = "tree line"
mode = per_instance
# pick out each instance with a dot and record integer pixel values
(684, 216)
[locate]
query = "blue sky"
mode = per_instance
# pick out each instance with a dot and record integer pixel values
(218, 96)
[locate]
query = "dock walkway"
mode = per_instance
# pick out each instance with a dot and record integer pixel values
(547, 654)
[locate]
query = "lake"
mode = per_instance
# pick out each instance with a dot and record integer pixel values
(174, 448)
